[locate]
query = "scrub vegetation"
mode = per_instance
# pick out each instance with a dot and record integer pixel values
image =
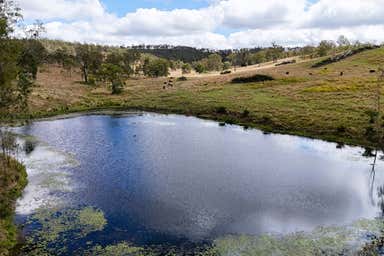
(13, 179)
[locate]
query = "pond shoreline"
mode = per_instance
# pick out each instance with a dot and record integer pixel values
(222, 119)
(124, 113)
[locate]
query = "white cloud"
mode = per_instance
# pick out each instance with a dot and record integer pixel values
(260, 13)
(175, 22)
(331, 13)
(62, 9)
(305, 36)
(255, 22)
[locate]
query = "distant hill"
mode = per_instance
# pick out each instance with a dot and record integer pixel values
(183, 53)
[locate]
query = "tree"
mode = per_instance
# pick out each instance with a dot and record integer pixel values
(89, 58)
(9, 57)
(114, 75)
(325, 47)
(214, 62)
(33, 54)
(62, 57)
(156, 67)
(199, 67)
(307, 51)
(35, 30)
(343, 41)
(130, 59)
(275, 52)
(186, 68)
(226, 65)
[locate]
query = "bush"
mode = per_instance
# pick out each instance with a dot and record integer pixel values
(245, 113)
(182, 78)
(117, 87)
(253, 79)
(221, 110)
(156, 67)
(341, 129)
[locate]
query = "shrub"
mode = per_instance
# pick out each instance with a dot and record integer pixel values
(182, 78)
(341, 129)
(245, 113)
(221, 110)
(253, 79)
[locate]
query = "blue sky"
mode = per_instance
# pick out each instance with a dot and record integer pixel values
(121, 7)
(209, 23)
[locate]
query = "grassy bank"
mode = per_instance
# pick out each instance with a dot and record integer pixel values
(334, 102)
(13, 179)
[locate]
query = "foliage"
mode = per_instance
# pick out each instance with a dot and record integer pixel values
(33, 54)
(63, 57)
(186, 68)
(13, 179)
(325, 47)
(114, 75)
(90, 59)
(212, 63)
(155, 67)
(344, 55)
(199, 67)
(181, 53)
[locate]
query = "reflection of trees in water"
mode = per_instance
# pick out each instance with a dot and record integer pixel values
(380, 189)
(378, 139)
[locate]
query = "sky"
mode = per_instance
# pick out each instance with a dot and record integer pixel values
(215, 24)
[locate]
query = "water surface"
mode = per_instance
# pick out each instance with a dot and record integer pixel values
(175, 179)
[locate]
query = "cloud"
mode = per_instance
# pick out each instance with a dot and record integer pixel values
(167, 23)
(62, 9)
(304, 36)
(251, 22)
(260, 13)
(334, 14)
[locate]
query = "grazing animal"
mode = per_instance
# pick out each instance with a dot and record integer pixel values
(287, 73)
(341, 73)
(163, 87)
(310, 74)
(372, 71)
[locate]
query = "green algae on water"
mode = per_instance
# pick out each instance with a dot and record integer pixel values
(347, 240)
(54, 228)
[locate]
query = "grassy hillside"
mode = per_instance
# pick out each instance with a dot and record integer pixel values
(13, 179)
(315, 102)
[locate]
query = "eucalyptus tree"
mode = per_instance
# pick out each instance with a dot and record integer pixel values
(90, 59)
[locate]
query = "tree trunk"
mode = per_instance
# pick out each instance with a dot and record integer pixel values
(85, 74)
